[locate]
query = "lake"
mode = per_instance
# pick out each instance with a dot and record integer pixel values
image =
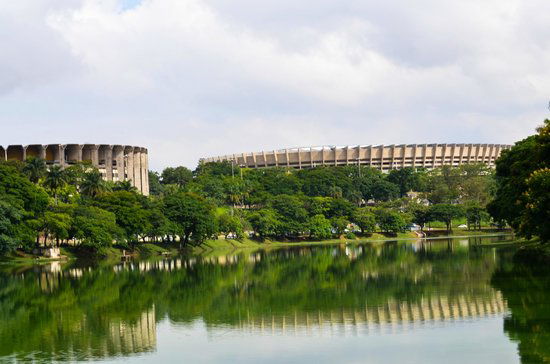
(433, 301)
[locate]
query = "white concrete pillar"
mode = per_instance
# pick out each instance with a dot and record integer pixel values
(145, 172)
(129, 165)
(109, 162)
(137, 168)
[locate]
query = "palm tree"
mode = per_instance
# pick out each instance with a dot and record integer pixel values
(35, 168)
(124, 186)
(55, 180)
(93, 184)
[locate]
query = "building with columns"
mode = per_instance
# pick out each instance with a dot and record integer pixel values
(383, 157)
(115, 162)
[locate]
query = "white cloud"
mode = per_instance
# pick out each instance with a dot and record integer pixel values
(194, 78)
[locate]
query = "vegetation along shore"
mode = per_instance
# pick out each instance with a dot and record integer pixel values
(221, 205)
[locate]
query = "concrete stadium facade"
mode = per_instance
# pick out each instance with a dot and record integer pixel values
(383, 157)
(115, 162)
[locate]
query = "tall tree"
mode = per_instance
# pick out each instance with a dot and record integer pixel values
(35, 169)
(56, 179)
(522, 187)
(93, 184)
(446, 213)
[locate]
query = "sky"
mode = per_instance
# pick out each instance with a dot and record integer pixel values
(199, 78)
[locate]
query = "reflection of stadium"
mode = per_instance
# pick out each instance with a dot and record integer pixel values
(429, 309)
(126, 338)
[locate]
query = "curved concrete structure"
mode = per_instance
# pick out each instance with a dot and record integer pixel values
(115, 162)
(384, 157)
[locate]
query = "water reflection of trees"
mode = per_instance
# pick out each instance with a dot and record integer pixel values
(112, 310)
(527, 292)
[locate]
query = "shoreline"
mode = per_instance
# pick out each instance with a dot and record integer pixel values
(146, 250)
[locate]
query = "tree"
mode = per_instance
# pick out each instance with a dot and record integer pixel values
(17, 190)
(35, 169)
(405, 178)
(292, 213)
(383, 190)
(130, 212)
(55, 180)
(475, 215)
(365, 219)
(57, 225)
(10, 222)
(93, 184)
(124, 186)
(339, 224)
(264, 222)
(319, 227)
(536, 219)
(180, 176)
(521, 180)
(155, 187)
(446, 213)
(192, 216)
(420, 215)
(391, 221)
(230, 224)
(95, 228)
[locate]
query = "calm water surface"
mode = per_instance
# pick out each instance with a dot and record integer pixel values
(438, 301)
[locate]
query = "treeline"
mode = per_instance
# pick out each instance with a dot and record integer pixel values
(523, 186)
(42, 206)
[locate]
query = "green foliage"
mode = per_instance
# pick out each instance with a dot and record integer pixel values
(536, 218)
(475, 215)
(130, 211)
(292, 214)
(56, 179)
(180, 176)
(522, 188)
(35, 169)
(155, 187)
(339, 224)
(17, 190)
(95, 228)
(230, 224)
(391, 221)
(420, 214)
(264, 222)
(319, 227)
(93, 184)
(193, 217)
(406, 179)
(365, 219)
(10, 223)
(446, 213)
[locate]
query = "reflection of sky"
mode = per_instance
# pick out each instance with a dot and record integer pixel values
(469, 341)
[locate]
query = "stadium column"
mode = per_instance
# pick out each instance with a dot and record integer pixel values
(144, 172)
(42, 153)
(276, 158)
(265, 158)
(425, 156)
(254, 159)
(347, 155)
(137, 168)
(311, 157)
(129, 165)
(109, 162)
